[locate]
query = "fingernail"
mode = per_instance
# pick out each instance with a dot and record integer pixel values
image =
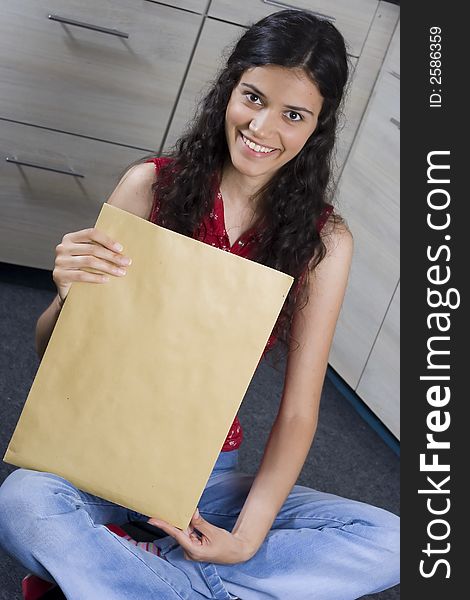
(118, 247)
(197, 513)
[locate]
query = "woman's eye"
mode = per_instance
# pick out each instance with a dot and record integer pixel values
(253, 98)
(294, 116)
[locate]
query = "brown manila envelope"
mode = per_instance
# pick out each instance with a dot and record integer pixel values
(143, 375)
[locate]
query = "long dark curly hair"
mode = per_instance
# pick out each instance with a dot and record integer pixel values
(290, 204)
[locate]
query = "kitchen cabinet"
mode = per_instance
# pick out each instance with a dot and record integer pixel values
(57, 184)
(353, 19)
(369, 198)
(94, 83)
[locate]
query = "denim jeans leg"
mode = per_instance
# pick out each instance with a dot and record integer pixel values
(58, 532)
(321, 546)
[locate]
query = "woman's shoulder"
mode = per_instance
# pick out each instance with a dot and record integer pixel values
(336, 235)
(134, 191)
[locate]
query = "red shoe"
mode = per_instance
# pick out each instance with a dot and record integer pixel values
(33, 587)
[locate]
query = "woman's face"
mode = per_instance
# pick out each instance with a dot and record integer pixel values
(270, 116)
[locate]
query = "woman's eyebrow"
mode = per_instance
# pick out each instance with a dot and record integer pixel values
(260, 93)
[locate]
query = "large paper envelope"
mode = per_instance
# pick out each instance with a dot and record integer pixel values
(143, 375)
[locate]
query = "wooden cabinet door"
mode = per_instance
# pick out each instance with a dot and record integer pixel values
(379, 385)
(368, 196)
(215, 44)
(353, 19)
(94, 83)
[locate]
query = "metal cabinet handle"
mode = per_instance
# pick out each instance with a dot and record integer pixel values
(395, 122)
(16, 161)
(285, 5)
(88, 26)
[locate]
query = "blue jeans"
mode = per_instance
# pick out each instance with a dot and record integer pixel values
(320, 546)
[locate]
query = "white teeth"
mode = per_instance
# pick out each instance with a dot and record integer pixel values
(257, 147)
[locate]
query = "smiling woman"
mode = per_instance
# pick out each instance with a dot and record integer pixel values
(251, 176)
(262, 141)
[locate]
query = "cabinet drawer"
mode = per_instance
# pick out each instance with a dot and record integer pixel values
(37, 206)
(353, 19)
(89, 82)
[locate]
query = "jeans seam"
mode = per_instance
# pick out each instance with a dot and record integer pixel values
(78, 499)
(206, 579)
(77, 506)
(99, 503)
(341, 523)
(209, 587)
(298, 518)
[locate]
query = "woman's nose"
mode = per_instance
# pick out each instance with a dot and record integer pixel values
(262, 125)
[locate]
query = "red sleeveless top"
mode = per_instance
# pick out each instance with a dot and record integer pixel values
(212, 231)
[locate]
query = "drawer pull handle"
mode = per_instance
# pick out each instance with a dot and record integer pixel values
(15, 161)
(88, 26)
(285, 5)
(395, 122)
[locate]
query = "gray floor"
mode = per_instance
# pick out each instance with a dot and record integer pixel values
(347, 457)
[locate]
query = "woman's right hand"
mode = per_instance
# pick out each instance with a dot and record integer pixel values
(88, 248)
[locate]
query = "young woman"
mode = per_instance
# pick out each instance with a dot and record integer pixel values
(250, 176)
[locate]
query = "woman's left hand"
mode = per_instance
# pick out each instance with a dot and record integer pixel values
(213, 544)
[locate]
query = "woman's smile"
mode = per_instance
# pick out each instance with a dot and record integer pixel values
(255, 149)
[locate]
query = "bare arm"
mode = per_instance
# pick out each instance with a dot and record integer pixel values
(294, 428)
(92, 248)
(46, 324)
